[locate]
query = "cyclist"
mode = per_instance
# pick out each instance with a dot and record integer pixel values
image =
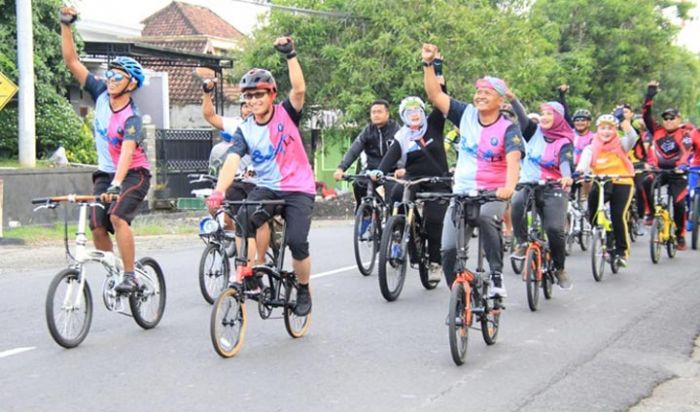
(374, 140)
(671, 148)
(271, 137)
(123, 167)
(607, 155)
(549, 155)
(239, 189)
(583, 136)
(419, 147)
(490, 148)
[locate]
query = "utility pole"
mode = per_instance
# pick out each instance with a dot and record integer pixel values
(25, 55)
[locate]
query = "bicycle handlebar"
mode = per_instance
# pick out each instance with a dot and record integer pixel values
(409, 183)
(590, 177)
(198, 178)
(477, 196)
(247, 202)
(540, 183)
(70, 199)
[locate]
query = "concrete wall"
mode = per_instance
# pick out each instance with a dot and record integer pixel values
(190, 116)
(23, 185)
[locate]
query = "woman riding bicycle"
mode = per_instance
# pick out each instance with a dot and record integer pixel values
(419, 146)
(549, 155)
(607, 155)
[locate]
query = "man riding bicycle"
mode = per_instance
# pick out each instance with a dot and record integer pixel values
(123, 168)
(490, 148)
(374, 140)
(271, 137)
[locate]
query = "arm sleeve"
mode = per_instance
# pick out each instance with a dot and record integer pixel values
(238, 144)
(94, 86)
(514, 140)
(567, 112)
(133, 129)
(646, 112)
(527, 126)
(358, 145)
(566, 160)
(437, 120)
(291, 111)
(391, 157)
(584, 163)
(629, 139)
(457, 109)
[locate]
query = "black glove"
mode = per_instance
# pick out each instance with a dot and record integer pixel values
(111, 193)
(208, 85)
(437, 64)
(651, 91)
(66, 18)
(287, 49)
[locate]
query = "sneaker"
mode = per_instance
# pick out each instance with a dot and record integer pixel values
(435, 272)
(519, 252)
(621, 261)
(253, 284)
(303, 305)
(648, 220)
(127, 285)
(497, 288)
(681, 244)
(563, 280)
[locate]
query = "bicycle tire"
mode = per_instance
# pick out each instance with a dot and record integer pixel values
(532, 285)
(458, 331)
(695, 208)
(228, 311)
(424, 265)
(672, 241)
(597, 254)
(570, 237)
(489, 324)
(365, 263)
(631, 225)
(296, 325)
(213, 278)
(148, 291)
(69, 275)
(654, 240)
(393, 231)
(585, 234)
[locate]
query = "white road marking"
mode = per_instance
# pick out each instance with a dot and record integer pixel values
(15, 351)
(333, 272)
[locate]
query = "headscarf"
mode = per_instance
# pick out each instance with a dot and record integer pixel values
(560, 128)
(409, 104)
(614, 145)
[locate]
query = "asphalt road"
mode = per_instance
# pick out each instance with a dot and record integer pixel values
(600, 347)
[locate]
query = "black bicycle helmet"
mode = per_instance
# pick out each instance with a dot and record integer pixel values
(258, 79)
(582, 114)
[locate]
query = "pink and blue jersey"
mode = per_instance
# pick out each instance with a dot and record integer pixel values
(277, 151)
(580, 143)
(111, 128)
(542, 159)
(482, 149)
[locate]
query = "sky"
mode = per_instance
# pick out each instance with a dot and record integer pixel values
(243, 15)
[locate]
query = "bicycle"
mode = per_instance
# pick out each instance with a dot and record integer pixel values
(270, 285)
(404, 236)
(469, 291)
(602, 234)
(369, 221)
(578, 229)
(663, 227)
(538, 268)
(694, 211)
(69, 312)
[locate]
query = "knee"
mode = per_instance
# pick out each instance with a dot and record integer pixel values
(99, 233)
(299, 248)
(117, 222)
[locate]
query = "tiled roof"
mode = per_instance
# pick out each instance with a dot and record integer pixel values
(182, 19)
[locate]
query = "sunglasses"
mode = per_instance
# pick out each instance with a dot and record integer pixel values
(255, 95)
(668, 118)
(115, 76)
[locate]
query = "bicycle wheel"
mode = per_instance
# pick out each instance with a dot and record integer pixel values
(695, 216)
(214, 271)
(489, 323)
(228, 323)
(364, 239)
(68, 310)
(457, 328)
(393, 259)
(296, 325)
(584, 237)
(597, 254)
(421, 249)
(532, 267)
(570, 236)
(655, 239)
(148, 302)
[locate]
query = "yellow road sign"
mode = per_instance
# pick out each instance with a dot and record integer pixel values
(7, 90)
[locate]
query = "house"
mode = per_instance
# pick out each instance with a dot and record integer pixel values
(195, 29)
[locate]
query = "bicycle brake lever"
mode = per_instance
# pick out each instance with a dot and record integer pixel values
(98, 204)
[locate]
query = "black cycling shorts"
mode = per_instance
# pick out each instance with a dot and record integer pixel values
(134, 190)
(98, 215)
(238, 191)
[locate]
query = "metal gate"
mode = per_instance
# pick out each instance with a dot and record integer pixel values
(180, 152)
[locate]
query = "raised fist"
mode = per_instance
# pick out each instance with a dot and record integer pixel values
(68, 15)
(429, 52)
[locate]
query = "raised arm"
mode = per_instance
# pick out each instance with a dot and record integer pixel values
(285, 45)
(526, 124)
(68, 16)
(433, 89)
(208, 107)
(563, 89)
(649, 122)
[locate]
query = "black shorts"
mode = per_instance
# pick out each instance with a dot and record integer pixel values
(134, 190)
(297, 213)
(98, 215)
(238, 191)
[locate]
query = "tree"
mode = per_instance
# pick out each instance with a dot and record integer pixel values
(56, 122)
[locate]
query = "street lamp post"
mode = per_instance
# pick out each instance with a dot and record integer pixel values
(25, 54)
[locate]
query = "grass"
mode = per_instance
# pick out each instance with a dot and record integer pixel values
(14, 163)
(53, 234)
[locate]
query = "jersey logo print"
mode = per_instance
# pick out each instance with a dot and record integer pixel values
(272, 152)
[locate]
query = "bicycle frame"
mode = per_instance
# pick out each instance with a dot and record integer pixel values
(661, 209)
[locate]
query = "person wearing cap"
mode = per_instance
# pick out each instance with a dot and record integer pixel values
(123, 168)
(583, 135)
(245, 181)
(607, 155)
(672, 145)
(549, 155)
(490, 148)
(270, 135)
(374, 140)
